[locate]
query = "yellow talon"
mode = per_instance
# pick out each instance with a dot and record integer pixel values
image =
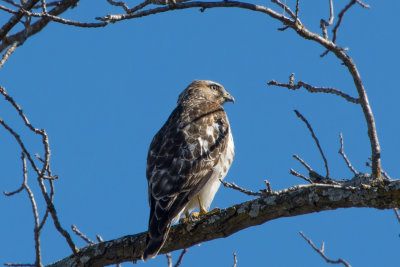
(203, 211)
(185, 220)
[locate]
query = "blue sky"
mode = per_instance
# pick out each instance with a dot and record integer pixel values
(102, 94)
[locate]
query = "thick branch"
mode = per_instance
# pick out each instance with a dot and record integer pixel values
(297, 200)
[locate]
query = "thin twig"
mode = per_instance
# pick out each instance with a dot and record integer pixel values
(362, 4)
(121, 4)
(9, 194)
(41, 173)
(341, 152)
(384, 173)
(38, 261)
(36, 27)
(9, 51)
(234, 259)
(268, 184)
(21, 144)
(169, 259)
(396, 211)
(179, 262)
(55, 3)
(12, 3)
(59, 19)
(44, 6)
(315, 139)
(54, 216)
(297, 10)
(293, 172)
(313, 89)
(16, 18)
(20, 264)
(240, 189)
(285, 8)
(99, 238)
(79, 233)
(321, 252)
(138, 7)
(341, 15)
(303, 162)
(324, 23)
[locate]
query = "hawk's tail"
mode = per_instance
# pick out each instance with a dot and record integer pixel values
(155, 240)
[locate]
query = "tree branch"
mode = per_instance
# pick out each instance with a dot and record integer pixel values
(361, 191)
(36, 27)
(322, 253)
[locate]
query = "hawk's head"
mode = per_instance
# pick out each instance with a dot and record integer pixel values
(205, 90)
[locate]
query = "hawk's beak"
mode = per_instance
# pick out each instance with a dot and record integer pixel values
(229, 98)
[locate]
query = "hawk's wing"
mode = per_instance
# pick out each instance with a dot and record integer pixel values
(180, 162)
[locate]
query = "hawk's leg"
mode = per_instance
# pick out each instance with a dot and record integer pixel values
(203, 210)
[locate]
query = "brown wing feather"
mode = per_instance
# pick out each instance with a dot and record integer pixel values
(178, 164)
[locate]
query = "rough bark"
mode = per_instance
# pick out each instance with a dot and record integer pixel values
(361, 191)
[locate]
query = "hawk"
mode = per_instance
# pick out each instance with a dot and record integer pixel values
(186, 159)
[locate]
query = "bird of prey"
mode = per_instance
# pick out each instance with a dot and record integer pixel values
(187, 158)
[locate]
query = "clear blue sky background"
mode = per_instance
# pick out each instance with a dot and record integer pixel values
(102, 94)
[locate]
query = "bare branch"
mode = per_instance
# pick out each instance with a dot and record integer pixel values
(240, 189)
(234, 259)
(298, 28)
(12, 3)
(59, 19)
(341, 152)
(121, 4)
(41, 173)
(204, 5)
(44, 6)
(324, 23)
(99, 238)
(179, 262)
(303, 162)
(396, 211)
(54, 216)
(25, 186)
(79, 233)
(362, 4)
(169, 259)
(294, 173)
(22, 35)
(285, 8)
(16, 18)
(55, 3)
(384, 173)
(15, 191)
(38, 261)
(19, 264)
(315, 139)
(269, 189)
(341, 15)
(297, 10)
(294, 201)
(21, 144)
(321, 252)
(313, 89)
(140, 6)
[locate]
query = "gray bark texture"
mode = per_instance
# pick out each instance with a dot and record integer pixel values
(361, 191)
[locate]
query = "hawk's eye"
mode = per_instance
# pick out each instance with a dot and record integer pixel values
(214, 87)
